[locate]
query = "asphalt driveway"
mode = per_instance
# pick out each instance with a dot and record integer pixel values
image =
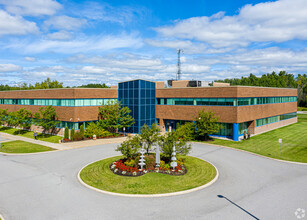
(45, 186)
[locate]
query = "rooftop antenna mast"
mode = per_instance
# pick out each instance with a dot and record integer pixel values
(178, 75)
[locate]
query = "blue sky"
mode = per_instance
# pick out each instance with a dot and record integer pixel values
(80, 42)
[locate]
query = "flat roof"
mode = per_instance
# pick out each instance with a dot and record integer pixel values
(24, 90)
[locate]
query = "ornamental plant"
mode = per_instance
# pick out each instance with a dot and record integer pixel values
(168, 141)
(72, 134)
(95, 128)
(130, 148)
(82, 131)
(66, 133)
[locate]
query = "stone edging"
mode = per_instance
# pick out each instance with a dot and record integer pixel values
(17, 154)
(259, 155)
(149, 195)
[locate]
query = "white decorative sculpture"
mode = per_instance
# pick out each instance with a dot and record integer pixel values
(142, 160)
(174, 163)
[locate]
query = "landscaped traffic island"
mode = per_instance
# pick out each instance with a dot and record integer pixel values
(100, 176)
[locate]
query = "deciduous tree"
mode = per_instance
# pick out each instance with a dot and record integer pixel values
(206, 123)
(149, 135)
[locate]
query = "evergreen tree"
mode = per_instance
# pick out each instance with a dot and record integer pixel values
(114, 116)
(66, 133)
(72, 134)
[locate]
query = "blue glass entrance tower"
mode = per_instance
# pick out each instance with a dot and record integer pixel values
(140, 97)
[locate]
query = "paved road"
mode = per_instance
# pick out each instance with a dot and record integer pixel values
(45, 186)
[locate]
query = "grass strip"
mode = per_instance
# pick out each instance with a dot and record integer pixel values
(22, 147)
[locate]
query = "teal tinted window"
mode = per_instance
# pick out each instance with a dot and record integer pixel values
(225, 101)
(226, 130)
(269, 120)
(57, 102)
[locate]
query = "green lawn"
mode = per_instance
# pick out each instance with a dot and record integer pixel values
(22, 147)
(294, 142)
(100, 176)
(30, 134)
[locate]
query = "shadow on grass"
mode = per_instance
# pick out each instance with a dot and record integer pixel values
(5, 128)
(42, 135)
(21, 132)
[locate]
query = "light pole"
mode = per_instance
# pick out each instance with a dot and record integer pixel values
(124, 131)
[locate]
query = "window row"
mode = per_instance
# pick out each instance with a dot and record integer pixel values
(58, 102)
(137, 84)
(269, 120)
(226, 130)
(225, 101)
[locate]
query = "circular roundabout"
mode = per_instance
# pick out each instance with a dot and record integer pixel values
(98, 176)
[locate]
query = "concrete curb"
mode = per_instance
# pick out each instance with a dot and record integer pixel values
(17, 154)
(149, 195)
(285, 161)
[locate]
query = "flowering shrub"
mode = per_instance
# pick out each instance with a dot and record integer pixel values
(120, 168)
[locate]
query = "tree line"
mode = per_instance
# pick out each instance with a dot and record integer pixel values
(48, 84)
(281, 80)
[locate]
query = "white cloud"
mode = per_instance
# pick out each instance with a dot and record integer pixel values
(80, 45)
(60, 35)
(277, 21)
(16, 25)
(6, 68)
(64, 23)
(31, 7)
(30, 59)
(188, 46)
(105, 12)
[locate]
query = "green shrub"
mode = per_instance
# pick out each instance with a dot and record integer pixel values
(162, 163)
(78, 136)
(150, 161)
(94, 128)
(130, 163)
(168, 141)
(180, 161)
(130, 147)
(66, 133)
(167, 166)
(107, 134)
(72, 134)
(82, 131)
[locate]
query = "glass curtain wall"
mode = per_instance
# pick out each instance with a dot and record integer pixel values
(226, 130)
(140, 97)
